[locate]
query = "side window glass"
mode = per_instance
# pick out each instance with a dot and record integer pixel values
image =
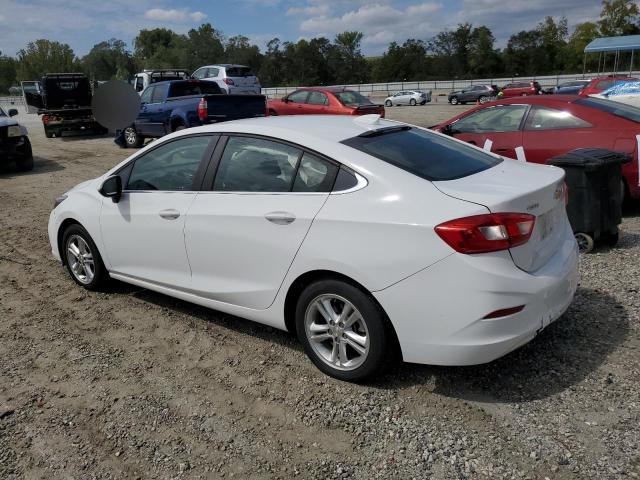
(256, 165)
(345, 180)
(503, 118)
(158, 94)
(314, 175)
(200, 73)
(317, 98)
(146, 95)
(139, 84)
(298, 97)
(213, 72)
(548, 119)
(170, 167)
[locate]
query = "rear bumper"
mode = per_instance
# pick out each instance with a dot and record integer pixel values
(438, 312)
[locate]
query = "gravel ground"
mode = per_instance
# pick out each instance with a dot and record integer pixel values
(132, 384)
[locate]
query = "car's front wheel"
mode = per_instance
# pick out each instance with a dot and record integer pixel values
(132, 139)
(387, 103)
(82, 259)
(412, 102)
(453, 101)
(342, 330)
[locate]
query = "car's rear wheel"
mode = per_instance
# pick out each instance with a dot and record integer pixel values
(273, 113)
(482, 99)
(25, 163)
(132, 139)
(387, 103)
(412, 102)
(453, 101)
(342, 330)
(82, 259)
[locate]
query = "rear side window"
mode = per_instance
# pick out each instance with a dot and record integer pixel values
(239, 72)
(353, 98)
(541, 118)
(425, 154)
(317, 98)
(314, 175)
(614, 108)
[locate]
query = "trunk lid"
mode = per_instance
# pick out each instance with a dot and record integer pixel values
(518, 187)
(242, 76)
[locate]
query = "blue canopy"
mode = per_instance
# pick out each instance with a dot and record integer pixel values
(613, 44)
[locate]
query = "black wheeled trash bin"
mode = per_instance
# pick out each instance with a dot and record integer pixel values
(596, 192)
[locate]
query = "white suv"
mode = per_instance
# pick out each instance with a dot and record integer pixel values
(230, 78)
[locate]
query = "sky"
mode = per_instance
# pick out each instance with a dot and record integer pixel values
(83, 23)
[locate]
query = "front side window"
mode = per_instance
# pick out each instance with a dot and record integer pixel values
(256, 165)
(170, 167)
(298, 97)
(425, 154)
(317, 98)
(502, 118)
(146, 95)
(200, 73)
(158, 93)
(314, 174)
(541, 118)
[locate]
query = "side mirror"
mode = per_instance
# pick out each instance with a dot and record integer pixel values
(447, 130)
(112, 188)
(285, 100)
(13, 112)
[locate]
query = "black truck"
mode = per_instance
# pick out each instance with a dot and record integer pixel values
(169, 106)
(65, 104)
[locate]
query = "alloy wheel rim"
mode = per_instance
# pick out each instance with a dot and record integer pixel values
(130, 135)
(337, 332)
(80, 259)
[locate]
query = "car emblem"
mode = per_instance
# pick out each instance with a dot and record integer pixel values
(533, 206)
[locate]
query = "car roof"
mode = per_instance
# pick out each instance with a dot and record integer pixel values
(226, 65)
(326, 89)
(538, 99)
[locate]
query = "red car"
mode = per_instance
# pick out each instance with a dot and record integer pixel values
(324, 101)
(600, 84)
(550, 125)
(520, 89)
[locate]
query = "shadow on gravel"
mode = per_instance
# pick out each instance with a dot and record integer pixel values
(561, 356)
(40, 165)
(66, 137)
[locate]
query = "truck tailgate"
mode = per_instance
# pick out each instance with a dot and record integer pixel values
(221, 108)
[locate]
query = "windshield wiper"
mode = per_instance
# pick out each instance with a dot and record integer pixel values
(384, 131)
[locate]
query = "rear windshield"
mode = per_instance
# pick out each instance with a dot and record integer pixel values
(425, 154)
(239, 72)
(190, 88)
(352, 98)
(615, 108)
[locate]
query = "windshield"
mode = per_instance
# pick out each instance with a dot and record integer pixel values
(614, 108)
(352, 98)
(425, 154)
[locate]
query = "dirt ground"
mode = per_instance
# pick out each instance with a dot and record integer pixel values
(133, 384)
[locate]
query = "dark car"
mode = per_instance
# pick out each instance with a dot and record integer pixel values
(473, 93)
(567, 88)
(14, 142)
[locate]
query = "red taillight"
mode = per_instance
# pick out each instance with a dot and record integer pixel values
(228, 81)
(45, 119)
(487, 233)
(202, 110)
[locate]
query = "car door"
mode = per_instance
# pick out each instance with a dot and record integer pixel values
(246, 230)
(143, 121)
(296, 103)
(549, 132)
(157, 111)
(502, 124)
(317, 103)
(143, 233)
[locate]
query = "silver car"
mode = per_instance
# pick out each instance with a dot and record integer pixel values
(237, 79)
(408, 97)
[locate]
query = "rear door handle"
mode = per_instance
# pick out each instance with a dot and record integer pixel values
(503, 149)
(169, 214)
(280, 218)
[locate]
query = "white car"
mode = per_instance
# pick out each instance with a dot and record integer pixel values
(408, 97)
(360, 235)
(232, 79)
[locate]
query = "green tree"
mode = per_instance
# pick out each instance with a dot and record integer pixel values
(619, 17)
(524, 54)
(109, 60)
(205, 46)
(553, 41)
(582, 35)
(345, 59)
(239, 50)
(44, 56)
(8, 73)
(161, 48)
(406, 62)
(484, 59)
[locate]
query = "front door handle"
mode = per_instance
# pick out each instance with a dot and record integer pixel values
(280, 218)
(503, 149)
(169, 214)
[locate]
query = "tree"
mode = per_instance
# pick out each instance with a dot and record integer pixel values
(452, 49)
(345, 59)
(404, 62)
(109, 60)
(524, 54)
(44, 56)
(7, 73)
(484, 60)
(205, 46)
(553, 40)
(573, 55)
(619, 17)
(239, 50)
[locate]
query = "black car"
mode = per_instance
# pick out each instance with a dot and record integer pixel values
(473, 93)
(568, 88)
(14, 142)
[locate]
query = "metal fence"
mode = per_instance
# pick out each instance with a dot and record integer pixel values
(384, 89)
(12, 101)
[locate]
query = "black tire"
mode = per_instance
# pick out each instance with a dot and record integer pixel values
(48, 133)
(273, 113)
(482, 99)
(131, 138)
(453, 101)
(380, 347)
(100, 276)
(388, 103)
(412, 102)
(25, 163)
(177, 127)
(611, 239)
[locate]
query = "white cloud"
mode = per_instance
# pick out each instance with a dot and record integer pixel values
(173, 15)
(310, 10)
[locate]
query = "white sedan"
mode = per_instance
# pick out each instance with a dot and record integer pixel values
(363, 236)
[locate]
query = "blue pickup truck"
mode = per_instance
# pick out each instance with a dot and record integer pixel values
(173, 105)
